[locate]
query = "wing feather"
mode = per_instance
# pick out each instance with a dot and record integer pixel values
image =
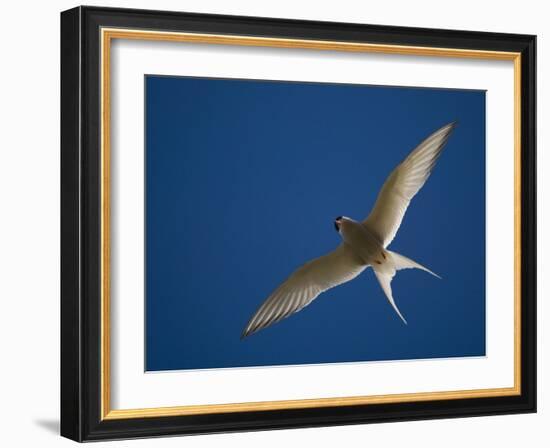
(305, 285)
(403, 184)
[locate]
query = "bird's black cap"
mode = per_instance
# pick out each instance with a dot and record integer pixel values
(335, 224)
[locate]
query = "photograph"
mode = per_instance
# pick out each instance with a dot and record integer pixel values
(270, 222)
(275, 224)
(281, 217)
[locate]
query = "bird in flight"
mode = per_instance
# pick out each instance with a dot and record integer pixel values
(363, 244)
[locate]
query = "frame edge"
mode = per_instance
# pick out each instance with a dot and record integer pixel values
(529, 222)
(78, 404)
(71, 350)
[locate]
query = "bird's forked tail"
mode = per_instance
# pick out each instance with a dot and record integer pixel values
(386, 271)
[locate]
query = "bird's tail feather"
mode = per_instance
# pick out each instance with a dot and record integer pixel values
(384, 277)
(402, 262)
(386, 271)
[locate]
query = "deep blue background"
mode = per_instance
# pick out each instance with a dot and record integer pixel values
(243, 182)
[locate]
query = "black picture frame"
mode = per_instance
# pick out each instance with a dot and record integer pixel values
(81, 224)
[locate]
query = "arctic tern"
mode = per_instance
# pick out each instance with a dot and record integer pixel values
(363, 244)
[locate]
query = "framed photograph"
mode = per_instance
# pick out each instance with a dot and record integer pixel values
(273, 223)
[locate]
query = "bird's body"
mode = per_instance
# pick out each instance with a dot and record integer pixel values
(362, 241)
(364, 244)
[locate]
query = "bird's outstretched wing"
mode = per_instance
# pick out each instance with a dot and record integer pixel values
(304, 285)
(403, 184)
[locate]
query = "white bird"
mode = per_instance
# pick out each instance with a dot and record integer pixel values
(364, 243)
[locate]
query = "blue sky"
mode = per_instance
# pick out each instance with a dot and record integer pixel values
(243, 181)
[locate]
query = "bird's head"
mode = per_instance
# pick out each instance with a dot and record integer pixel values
(342, 223)
(338, 223)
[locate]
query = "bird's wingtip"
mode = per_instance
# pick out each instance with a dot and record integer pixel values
(247, 332)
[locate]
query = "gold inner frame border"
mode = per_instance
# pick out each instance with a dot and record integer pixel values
(107, 35)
